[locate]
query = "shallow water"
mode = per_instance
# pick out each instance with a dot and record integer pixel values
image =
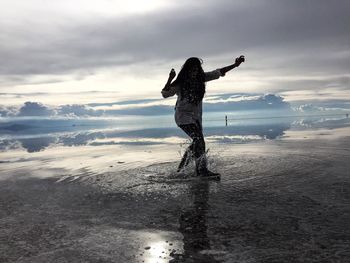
(91, 150)
(110, 195)
(35, 135)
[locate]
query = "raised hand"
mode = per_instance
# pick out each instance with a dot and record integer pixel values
(239, 60)
(172, 74)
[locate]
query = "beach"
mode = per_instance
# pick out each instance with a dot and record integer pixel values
(283, 200)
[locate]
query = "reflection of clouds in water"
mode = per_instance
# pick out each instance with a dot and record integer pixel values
(269, 131)
(126, 143)
(324, 122)
(303, 123)
(156, 136)
(248, 133)
(37, 144)
(80, 138)
(235, 139)
(6, 145)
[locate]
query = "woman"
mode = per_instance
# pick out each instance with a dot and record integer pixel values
(189, 87)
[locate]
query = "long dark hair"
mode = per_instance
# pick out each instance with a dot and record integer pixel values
(191, 89)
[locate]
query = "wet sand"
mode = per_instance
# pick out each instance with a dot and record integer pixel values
(278, 201)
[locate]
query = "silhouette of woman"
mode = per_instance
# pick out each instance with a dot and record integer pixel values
(189, 87)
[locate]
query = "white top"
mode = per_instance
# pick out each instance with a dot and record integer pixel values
(186, 112)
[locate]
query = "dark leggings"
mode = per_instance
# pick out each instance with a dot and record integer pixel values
(194, 130)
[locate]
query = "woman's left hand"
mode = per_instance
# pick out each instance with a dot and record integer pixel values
(172, 74)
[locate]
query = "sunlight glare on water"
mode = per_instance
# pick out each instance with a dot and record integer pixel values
(159, 246)
(157, 252)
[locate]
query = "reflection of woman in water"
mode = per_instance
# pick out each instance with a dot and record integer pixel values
(194, 226)
(189, 87)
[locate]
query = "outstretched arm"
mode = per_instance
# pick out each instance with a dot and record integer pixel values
(238, 62)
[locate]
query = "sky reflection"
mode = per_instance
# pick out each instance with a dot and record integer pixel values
(89, 135)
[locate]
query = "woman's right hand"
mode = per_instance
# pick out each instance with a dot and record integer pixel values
(172, 73)
(239, 60)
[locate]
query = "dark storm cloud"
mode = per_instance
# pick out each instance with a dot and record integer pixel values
(295, 31)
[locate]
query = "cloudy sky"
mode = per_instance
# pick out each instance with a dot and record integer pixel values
(75, 51)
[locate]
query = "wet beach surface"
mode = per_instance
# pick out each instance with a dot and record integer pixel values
(284, 200)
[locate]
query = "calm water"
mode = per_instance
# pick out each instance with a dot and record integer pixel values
(34, 135)
(110, 195)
